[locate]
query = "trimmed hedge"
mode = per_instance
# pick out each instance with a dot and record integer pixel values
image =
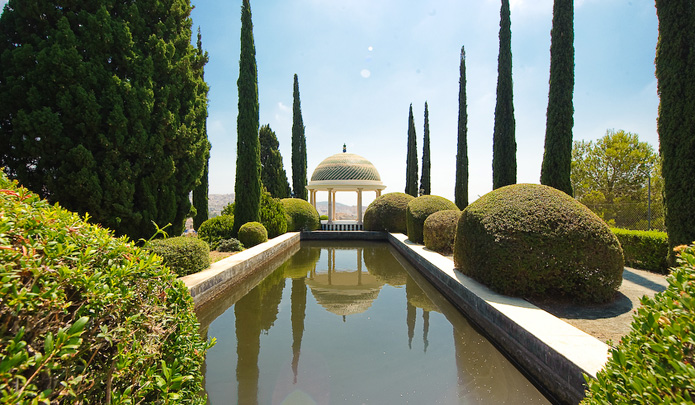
(86, 317)
(534, 241)
(387, 213)
(655, 362)
(183, 255)
(440, 230)
(252, 234)
(216, 229)
(647, 250)
(272, 215)
(230, 245)
(301, 216)
(417, 211)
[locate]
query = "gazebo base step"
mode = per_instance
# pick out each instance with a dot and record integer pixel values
(341, 226)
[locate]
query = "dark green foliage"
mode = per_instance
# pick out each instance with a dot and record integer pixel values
(247, 187)
(461, 189)
(182, 254)
(419, 209)
(675, 73)
(228, 209)
(298, 146)
(646, 250)
(439, 230)
(273, 215)
(387, 213)
(230, 245)
(217, 229)
(301, 216)
(655, 362)
(425, 181)
(273, 174)
(252, 234)
(557, 158)
(504, 139)
(102, 106)
(87, 317)
(200, 192)
(535, 241)
(411, 161)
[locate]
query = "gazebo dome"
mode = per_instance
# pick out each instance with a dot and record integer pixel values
(345, 167)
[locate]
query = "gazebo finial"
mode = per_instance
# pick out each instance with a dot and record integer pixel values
(344, 148)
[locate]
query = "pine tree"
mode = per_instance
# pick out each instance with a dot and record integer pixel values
(425, 181)
(504, 142)
(98, 115)
(200, 192)
(675, 72)
(461, 189)
(298, 147)
(411, 162)
(273, 175)
(247, 188)
(557, 158)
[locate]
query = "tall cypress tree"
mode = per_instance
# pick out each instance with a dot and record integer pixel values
(247, 188)
(273, 175)
(200, 192)
(461, 189)
(425, 181)
(504, 142)
(411, 161)
(557, 158)
(96, 112)
(675, 72)
(298, 147)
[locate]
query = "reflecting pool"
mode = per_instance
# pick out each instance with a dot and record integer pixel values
(351, 323)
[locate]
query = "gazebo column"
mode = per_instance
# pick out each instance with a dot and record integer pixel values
(333, 217)
(359, 205)
(330, 205)
(378, 193)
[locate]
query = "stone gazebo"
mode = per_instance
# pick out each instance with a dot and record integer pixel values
(344, 172)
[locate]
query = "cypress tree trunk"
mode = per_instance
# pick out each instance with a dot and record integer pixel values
(298, 147)
(247, 187)
(675, 72)
(425, 181)
(557, 158)
(200, 193)
(411, 160)
(504, 142)
(461, 189)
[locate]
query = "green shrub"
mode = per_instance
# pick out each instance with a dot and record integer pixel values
(86, 317)
(655, 362)
(419, 209)
(439, 230)
(216, 229)
(323, 218)
(272, 215)
(535, 241)
(301, 216)
(252, 233)
(646, 250)
(230, 245)
(387, 213)
(183, 255)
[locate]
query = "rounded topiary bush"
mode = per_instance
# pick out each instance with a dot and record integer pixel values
(252, 234)
(419, 209)
(230, 245)
(216, 229)
(387, 213)
(89, 317)
(301, 216)
(183, 255)
(535, 241)
(439, 230)
(272, 215)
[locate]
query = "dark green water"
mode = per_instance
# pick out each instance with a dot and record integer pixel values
(351, 323)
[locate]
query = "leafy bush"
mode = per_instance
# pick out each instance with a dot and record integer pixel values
(417, 211)
(230, 245)
(183, 255)
(216, 229)
(655, 362)
(272, 214)
(86, 317)
(301, 216)
(439, 230)
(387, 213)
(646, 250)
(323, 218)
(252, 233)
(534, 241)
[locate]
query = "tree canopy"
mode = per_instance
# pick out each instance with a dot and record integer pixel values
(298, 146)
(461, 188)
(411, 159)
(425, 178)
(273, 175)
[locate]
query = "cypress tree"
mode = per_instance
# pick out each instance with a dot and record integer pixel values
(200, 192)
(425, 187)
(461, 189)
(298, 147)
(675, 72)
(247, 187)
(557, 158)
(101, 112)
(504, 142)
(273, 175)
(411, 162)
